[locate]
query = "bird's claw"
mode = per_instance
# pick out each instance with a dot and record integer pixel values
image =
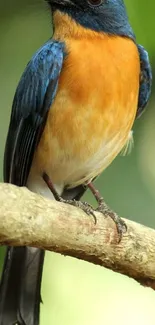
(120, 224)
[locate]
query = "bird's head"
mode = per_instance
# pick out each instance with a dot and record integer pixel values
(107, 16)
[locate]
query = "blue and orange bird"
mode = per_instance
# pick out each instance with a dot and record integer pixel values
(72, 114)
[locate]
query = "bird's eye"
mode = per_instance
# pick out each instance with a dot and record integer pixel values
(95, 2)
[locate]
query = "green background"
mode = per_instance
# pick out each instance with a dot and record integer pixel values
(75, 292)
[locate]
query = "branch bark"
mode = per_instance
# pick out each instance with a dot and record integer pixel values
(29, 219)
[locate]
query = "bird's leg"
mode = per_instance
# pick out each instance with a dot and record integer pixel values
(50, 185)
(86, 207)
(103, 208)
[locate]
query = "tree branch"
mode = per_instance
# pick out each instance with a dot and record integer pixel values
(29, 219)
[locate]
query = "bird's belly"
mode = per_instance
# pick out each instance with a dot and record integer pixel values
(92, 115)
(78, 146)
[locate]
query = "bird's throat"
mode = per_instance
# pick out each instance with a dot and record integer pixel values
(65, 27)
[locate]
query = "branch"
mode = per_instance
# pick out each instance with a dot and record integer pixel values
(29, 219)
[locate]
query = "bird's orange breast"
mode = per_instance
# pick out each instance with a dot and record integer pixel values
(94, 109)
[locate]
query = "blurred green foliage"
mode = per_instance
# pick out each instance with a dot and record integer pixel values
(75, 292)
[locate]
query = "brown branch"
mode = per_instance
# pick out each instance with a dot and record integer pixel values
(29, 219)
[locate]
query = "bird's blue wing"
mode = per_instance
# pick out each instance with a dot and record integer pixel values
(33, 98)
(145, 80)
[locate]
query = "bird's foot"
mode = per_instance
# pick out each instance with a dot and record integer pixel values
(86, 207)
(107, 212)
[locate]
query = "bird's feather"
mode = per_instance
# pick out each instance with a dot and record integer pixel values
(34, 96)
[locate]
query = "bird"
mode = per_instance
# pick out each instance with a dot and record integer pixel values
(72, 114)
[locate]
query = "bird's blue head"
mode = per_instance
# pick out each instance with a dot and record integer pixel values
(108, 16)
